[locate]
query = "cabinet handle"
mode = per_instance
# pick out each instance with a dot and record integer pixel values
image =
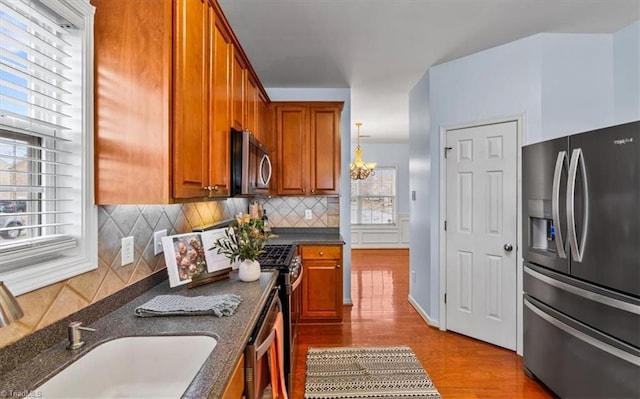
(321, 253)
(215, 188)
(337, 266)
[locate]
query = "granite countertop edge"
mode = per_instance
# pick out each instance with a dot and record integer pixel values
(307, 236)
(231, 332)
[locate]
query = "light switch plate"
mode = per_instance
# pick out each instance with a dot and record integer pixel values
(127, 250)
(308, 215)
(157, 241)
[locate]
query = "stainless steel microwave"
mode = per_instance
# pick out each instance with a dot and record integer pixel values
(250, 165)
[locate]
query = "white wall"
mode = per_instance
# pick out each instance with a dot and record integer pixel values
(421, 281)
(321, 94)
(558, 83)
(503, 81)
(626, 79)
(577, 83)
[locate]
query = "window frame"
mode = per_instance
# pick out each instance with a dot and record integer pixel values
(359, 223)
(27, 278)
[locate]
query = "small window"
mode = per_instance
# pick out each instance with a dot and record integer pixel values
(46, 212)
(373, 200)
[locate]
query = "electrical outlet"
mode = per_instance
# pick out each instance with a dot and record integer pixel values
(308, 215)
(127, 250)
(157, 241)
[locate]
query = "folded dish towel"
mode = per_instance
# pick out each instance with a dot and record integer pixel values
(177, 305)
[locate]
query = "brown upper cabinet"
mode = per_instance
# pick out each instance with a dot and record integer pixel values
(251, 106)
(308, 147)
(166, 94)
(238, 90)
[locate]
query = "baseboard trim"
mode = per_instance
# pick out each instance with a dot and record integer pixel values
(347, 301)
(431, 322)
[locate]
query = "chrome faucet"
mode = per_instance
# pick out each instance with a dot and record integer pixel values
(75, 334)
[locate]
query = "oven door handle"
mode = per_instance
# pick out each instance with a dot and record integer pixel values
(295, 285)
(266, 344)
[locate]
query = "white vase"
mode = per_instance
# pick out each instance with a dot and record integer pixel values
(249, 270)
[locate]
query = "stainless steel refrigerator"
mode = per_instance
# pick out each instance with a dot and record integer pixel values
(581, 238)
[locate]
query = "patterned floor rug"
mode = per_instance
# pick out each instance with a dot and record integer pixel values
(366, 372)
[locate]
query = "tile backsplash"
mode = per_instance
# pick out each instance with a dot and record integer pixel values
(289, 211)
(49, 304)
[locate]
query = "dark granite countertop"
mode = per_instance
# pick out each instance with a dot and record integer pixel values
(231, 333)
(307, 236)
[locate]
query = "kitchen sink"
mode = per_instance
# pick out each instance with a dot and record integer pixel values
(148, 366)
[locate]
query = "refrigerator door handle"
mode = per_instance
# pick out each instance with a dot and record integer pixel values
(577, 160)
(555, 203)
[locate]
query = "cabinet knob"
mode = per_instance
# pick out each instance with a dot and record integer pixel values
(303, 190)
(206, 188)
(313, 191)
(321, 253)
(338, 266)
(215, 188)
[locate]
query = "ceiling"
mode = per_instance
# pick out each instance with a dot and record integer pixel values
(380, 48)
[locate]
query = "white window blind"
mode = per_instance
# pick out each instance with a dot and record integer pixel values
(373, 200)
(40, 134)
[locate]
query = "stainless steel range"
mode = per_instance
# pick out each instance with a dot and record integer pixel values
(284, 259)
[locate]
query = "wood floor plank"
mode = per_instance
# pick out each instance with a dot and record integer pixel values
(460, 367)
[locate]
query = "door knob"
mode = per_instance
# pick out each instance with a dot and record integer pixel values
(508, 247)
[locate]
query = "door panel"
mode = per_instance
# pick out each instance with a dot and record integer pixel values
(325, 150)
(541, 235)
(481, 219)
(221, 49)
(191, 134)
(238, 90)
(611, 254)
(292, 128)
(577, 361)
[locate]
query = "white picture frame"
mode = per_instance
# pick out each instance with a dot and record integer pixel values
(184, 255)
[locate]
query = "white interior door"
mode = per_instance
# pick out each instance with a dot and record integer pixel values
(481, 232)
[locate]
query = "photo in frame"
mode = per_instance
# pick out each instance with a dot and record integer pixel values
(184, 256)
(188, 255)
(215, 261)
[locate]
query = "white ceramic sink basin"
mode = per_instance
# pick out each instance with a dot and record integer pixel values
(133, 367)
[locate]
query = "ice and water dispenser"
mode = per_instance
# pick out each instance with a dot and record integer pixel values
(542, 232)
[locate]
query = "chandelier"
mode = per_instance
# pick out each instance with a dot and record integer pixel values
(360, 170)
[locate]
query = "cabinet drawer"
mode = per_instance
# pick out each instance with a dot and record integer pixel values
(322, 252)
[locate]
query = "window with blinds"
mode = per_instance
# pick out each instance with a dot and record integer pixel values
(42, 134)
(373, 200)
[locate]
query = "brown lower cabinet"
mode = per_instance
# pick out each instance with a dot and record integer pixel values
(235, 387)
(321, 284)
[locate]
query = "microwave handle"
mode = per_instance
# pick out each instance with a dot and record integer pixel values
(266, 181)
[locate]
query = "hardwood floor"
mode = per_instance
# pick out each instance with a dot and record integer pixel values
(459, 366)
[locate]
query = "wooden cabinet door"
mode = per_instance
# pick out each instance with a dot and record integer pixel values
(251, 107)
(263, 127)
(235, 386)
(190, 122)
(238, 70)
(293, 164)
(325, 150)
(133, 102)
(321, 283)
(321, 290)
(220, 108)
